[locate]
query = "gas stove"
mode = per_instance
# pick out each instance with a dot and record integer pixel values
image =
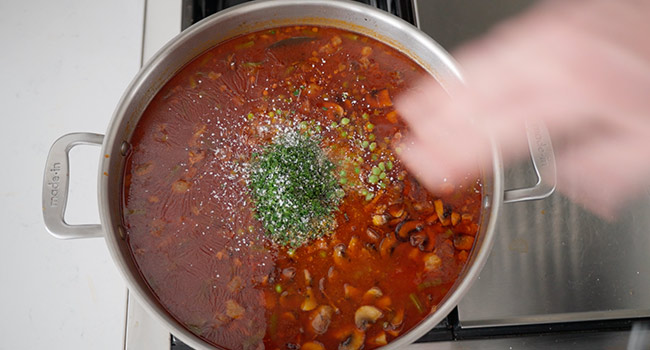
(557, 277)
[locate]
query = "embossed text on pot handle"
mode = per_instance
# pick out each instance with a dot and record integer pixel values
(55, 187)
(541, 153)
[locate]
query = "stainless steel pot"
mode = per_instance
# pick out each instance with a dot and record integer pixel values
(254, 16)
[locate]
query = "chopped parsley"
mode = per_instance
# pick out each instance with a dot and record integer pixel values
(295, 190)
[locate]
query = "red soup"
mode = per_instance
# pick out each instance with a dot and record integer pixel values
(243, 267)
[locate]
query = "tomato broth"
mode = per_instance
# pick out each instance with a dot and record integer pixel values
(393, 250)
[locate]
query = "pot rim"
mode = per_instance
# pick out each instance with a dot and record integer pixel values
(448, 75)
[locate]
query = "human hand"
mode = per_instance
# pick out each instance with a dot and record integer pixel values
(582, 67)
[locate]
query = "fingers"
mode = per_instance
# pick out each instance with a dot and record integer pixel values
(603, 173)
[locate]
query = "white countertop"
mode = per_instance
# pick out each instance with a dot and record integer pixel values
(64, 66)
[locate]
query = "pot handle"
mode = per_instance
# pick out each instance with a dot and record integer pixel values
(543, 158)
(55, 187)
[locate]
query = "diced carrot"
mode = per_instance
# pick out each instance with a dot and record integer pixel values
(392, 117)
(384, 98)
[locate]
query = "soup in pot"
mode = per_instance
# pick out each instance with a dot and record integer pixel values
(266, 206)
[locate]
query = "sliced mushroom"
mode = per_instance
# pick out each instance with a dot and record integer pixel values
(371, 295)
(441, 212)
(310, 301)
(406, 228)
(365, 315)
(397, 319)
(321, 318)
(372, 234)
(289, 272)
(423, 240)
(339, 256)
(387, 246)
(354, 341)
(396, 210)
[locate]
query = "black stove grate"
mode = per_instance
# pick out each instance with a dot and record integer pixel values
(196, 10)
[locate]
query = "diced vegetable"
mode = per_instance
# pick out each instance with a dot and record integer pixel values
(416, 302)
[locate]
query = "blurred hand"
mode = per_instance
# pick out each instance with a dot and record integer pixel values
(582, 67)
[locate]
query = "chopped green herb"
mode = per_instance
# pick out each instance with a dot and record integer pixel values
(250, 116)
(294, 189)
(296, 92)
(324, 108)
